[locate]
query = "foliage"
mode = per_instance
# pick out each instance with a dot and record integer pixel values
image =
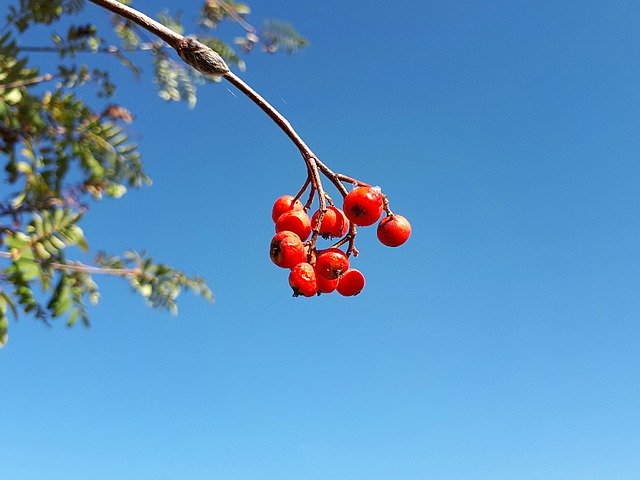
(64, 149)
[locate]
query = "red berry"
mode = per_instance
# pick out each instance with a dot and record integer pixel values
(363, 205)
(334, 223)
(284, 204)
(394, 230)
(296, 221)
(351, 283)
(325, 285)
(331, 263)
(302, 280)
(287, 249)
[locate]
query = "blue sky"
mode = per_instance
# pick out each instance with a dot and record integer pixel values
(500, 342)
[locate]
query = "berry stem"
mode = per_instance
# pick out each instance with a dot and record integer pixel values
(351, 239)
(338, 178)
(327, 172)
(302, 189)
(385, 205)
(329, 199)
(345, 178)
(317, 184)
(312, 193)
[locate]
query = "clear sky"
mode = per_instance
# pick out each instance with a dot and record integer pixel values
(501, 342)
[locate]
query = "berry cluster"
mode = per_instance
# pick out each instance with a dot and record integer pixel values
(314, 271)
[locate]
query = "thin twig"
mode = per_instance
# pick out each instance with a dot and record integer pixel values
(333, 177)
(81, 267)
(303, 188)
(23, 83)
(237, 18)
(165, 33)
(143, 47)
(312, 194)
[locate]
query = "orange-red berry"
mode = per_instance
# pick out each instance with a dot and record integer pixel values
(332, 263)
(302, 280)
(351, 283)
(394, 230)
(284, 204)
(296, 221)
(287, 250)
(363, 205)
(325, 285)
(334, 222)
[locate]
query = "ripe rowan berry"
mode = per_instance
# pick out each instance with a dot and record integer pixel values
(334, 222)
(351, 283)
(302, 280)
(287, 250)
(363, 205)
(394, 230)
(296, 221)
(331, 263)
(325, 285)
(284, 204)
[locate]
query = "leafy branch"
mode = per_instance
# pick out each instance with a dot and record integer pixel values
(60, 153)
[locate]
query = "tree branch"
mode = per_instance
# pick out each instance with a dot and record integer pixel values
(208, 62)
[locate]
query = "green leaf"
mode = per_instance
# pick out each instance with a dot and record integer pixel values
(18, 199)
(73, 317)
(38, 225)
(4, 327)
(61, 299)
(56, 243)
(146, 290)
(41, 252)
(17, 240)
(115, 190)
(62, 306)
(6, 300)
(13, 96)
(242, 9)
(28, 268)
(23, 167)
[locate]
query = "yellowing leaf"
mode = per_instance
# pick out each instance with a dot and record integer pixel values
(13, 96)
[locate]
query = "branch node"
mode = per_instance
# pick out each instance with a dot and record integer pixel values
(201, 57)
